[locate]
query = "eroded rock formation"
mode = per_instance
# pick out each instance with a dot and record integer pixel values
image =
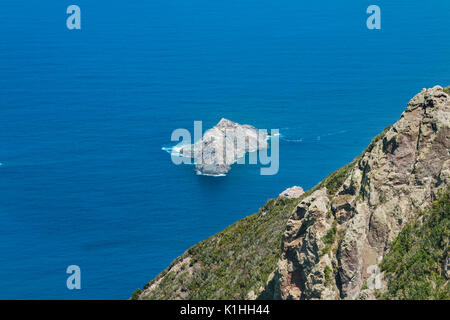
(336, 237)
(223, 145)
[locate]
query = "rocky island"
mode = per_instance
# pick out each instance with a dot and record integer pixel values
(223, 145)
(377, 228)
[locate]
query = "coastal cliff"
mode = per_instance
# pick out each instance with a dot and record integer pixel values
(353, 236)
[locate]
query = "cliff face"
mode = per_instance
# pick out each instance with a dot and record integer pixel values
(334, 239)
(233, 264)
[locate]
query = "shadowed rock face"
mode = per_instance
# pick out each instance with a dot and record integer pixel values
(334, 246)
(223, 145)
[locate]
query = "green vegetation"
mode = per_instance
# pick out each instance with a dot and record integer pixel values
(241, 258)
(376, 139)
(231, 263)
(334, 180)
(329, 238)
(414, 267)
(329, 214)
(447, 90)
(328, 272)
(136, 294)
(340, 236)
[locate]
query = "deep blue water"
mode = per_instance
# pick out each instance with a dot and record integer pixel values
(84, 114)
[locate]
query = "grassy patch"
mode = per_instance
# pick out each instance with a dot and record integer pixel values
(335, 180)
(329, 238)
(136, 294)
(328, 272)
(447, 90)
(233, 262)
(414, 265)
(376, 139)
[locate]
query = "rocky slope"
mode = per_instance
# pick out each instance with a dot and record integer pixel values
(417, 266)
(334, 239)
(233, 264)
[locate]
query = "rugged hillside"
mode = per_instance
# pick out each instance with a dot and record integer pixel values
(418, 263)
(329, 243)
(230, 264)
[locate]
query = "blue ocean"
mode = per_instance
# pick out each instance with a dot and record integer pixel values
(84, 115)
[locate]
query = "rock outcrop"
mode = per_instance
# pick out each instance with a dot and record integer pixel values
(335, 237)
(223, 145)
(292, 193)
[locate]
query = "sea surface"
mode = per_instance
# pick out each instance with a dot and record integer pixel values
(84, 115)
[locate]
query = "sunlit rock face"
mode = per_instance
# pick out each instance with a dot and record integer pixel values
(337, 236)
(223, 145)
(292, 192)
